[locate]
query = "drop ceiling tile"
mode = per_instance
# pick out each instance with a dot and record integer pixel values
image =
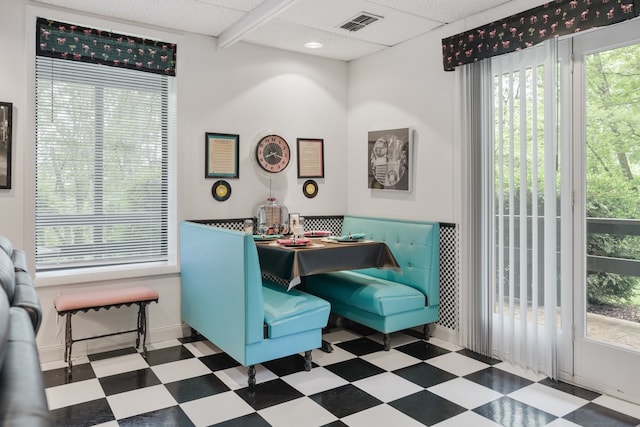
(328, 14)
(394, 26)
(444, 11)
(288, 36)
(244, 5)
(185, 15)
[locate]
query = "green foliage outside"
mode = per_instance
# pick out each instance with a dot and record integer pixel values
(103, 183)
(613, 164)
(612, 158)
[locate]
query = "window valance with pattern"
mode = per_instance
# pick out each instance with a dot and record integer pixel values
(74, 42)
(552, 19)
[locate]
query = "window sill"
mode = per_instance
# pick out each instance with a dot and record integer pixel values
(101, 274)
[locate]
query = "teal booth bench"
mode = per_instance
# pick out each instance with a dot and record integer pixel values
(386, 300)
(224, 298)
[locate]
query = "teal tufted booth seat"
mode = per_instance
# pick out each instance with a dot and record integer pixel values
(388, 300)
(224, 298)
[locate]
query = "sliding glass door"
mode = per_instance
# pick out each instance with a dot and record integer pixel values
(607, 210)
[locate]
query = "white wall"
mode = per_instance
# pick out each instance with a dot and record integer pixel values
(246, 90)
(405, 86)
(397, 88)
(12, 89)
(243, 90)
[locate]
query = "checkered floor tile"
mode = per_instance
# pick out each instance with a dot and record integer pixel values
(190, 382)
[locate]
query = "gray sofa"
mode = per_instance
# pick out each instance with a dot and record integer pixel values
(22, 398)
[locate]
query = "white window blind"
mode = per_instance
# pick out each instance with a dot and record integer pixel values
(103, 143)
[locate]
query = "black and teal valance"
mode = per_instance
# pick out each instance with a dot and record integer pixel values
(552, 19)
(76, 43)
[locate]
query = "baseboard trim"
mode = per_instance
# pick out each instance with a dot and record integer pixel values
(83, 348)
(445, 334)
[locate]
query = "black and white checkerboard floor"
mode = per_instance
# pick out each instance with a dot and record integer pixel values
(187, 383)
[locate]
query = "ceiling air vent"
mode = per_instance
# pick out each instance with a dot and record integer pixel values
(360, 21)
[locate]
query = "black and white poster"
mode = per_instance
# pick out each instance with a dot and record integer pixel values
(390, 159)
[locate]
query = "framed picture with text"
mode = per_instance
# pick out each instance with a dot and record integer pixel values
(310, 158)
(221, 155)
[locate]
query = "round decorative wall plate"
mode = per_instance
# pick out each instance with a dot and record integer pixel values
(310, 188)
(273, 153)
(221, 190)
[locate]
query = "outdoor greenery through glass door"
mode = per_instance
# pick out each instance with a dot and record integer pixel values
(612, 195)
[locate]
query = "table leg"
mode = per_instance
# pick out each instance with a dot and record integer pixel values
(326, 346)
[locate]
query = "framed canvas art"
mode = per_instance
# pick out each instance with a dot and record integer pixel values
(389, 159)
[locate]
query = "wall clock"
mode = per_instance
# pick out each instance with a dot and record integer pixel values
(273, 153)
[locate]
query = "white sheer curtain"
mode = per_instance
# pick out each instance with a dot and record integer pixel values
(510, 198)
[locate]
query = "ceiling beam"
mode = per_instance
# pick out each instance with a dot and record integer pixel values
(258, 16)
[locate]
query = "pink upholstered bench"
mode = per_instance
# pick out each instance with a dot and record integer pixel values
(70, 304)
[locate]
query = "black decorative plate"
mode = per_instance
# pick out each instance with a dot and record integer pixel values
(296, 245)
(221, 190)
(310, 188)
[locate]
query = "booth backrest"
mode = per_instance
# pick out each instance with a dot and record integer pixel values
(221, 285)
(414, 244)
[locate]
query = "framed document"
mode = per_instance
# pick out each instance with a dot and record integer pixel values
(221, 155)
(310, 158)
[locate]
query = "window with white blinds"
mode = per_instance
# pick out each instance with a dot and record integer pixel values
(104, 137)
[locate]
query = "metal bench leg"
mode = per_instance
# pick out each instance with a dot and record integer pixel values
(68, 341)
(142, 327)
(139, 325)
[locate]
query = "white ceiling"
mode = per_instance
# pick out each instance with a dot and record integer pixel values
(289, 24)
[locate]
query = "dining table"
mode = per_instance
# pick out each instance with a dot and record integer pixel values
(293, 262)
